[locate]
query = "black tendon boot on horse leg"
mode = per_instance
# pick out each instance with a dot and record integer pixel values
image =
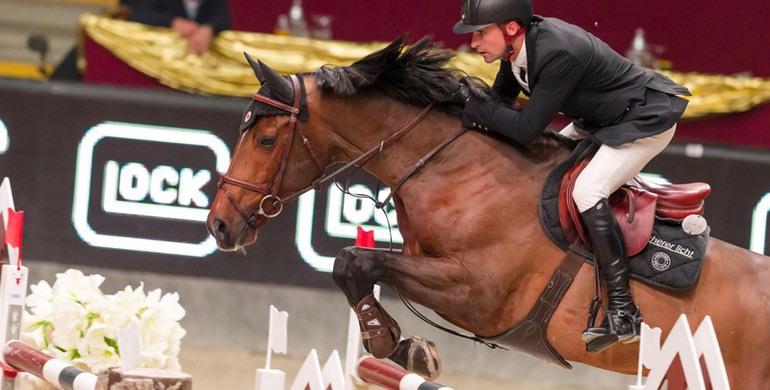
(379, 331)
(623, 318)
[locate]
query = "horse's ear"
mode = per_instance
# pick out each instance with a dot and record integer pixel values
(255, 66)
(280, 86)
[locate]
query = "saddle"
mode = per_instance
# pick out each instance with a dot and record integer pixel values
(635, 207)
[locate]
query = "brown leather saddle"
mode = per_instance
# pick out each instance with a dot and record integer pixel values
(635, 207)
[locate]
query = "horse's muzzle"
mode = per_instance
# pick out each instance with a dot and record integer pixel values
(229, 238)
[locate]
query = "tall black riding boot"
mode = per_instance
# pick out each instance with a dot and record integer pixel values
(623, 320)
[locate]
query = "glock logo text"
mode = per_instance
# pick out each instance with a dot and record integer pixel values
(147, 188)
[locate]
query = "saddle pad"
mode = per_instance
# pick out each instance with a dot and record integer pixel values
(671, 259)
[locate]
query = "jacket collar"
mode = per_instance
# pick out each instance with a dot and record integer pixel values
(530, 39)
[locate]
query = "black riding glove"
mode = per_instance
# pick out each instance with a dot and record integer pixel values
(460, 94)
(475, 114)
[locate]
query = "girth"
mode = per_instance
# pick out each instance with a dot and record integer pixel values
(530, 334)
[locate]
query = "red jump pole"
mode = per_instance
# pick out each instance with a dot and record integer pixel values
(60, 373)
(390, 377)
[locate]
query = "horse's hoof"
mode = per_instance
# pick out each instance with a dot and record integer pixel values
(419, 356)
(423, 358)
(379, 330)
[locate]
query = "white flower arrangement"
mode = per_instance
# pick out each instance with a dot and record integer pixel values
(76, 322)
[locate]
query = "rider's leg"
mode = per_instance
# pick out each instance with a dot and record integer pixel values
(610, 168)
(623, 316)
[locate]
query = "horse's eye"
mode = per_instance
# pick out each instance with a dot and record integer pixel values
(266, 141)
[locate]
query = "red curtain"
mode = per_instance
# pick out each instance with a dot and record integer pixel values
(722, 37)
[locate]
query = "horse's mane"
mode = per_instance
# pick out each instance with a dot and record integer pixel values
(416, 74)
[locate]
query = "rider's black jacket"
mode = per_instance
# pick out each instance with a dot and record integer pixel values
(573, 72)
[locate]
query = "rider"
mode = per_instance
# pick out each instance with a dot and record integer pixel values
(629, 110)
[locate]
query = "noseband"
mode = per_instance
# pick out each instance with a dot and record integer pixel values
(270, 190)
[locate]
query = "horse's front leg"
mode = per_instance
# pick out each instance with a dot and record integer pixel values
(433, 282)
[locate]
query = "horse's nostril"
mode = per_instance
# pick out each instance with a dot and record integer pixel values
(219, 227)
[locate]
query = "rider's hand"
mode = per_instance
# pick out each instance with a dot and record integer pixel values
(473, 114)
(460, 94)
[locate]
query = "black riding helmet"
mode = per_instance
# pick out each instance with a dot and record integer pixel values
(477, 14)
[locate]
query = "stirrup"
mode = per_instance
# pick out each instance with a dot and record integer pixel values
(600, 343)
(602, 337)
(610, 336)
(592, 331)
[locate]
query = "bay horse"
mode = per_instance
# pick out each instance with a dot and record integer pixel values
(474, 251)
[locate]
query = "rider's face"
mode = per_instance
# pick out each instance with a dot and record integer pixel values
(489, 43)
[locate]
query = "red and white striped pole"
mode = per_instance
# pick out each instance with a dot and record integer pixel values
(58, 372)
(385, 375)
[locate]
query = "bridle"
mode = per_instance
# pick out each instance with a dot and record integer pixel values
(270, 190)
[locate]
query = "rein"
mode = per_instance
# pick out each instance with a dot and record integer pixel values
(270, 190)
(364, 158)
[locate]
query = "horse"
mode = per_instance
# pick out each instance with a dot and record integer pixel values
(473, 249)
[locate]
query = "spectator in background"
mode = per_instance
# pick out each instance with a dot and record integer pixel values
(196, 20)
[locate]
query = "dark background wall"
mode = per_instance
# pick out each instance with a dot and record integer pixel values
(723, 37)
(47, 123)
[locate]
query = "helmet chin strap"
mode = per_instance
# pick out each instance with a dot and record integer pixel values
(509, 41)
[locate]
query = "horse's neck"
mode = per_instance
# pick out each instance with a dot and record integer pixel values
(480, 161)
(376, 120)
(471, 154)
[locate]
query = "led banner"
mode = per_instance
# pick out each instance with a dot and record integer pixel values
(134, 164)
(123, 178)
(3, 137)
(327, 220)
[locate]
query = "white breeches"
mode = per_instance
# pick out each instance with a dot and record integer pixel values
(613, 166)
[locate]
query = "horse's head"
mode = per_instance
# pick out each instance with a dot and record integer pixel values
(355, 108)
(253, 189)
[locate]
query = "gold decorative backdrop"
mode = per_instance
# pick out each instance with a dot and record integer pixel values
(161, 53)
